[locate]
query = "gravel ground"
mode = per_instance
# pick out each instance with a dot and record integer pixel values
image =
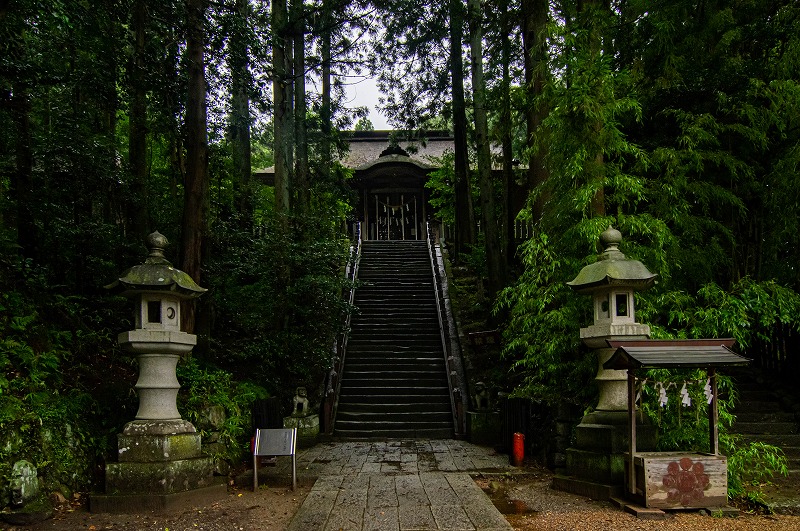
(541, 508)
(269, 509)
(528, 501)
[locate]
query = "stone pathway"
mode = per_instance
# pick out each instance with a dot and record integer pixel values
(396, 485)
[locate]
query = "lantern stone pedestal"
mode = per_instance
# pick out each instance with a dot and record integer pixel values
(484, 427)
(595, 464)
(159, 465)
(307, 429)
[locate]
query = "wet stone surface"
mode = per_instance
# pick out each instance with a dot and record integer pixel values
(398, 485)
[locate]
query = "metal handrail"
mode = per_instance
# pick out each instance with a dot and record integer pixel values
(456, 395)
(334, 380)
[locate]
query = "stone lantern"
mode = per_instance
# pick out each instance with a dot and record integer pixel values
(159, 458)
(157, 289)
(595, 465)
(611, 281)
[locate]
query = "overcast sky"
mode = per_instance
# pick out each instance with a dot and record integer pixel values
(366, 93)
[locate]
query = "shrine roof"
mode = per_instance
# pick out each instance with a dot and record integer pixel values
(673, 354)
(366, 149)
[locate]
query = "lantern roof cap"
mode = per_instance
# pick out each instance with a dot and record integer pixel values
(156, 274)
(612, 268)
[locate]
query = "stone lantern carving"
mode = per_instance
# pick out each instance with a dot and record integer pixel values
(160, 463)
(595, 464)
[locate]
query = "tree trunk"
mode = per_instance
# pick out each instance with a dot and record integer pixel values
(494, 260)
(282, 109)
(465, 217)
(325, 111)
(138, 214)
(240, 120)
(301, 185)
(535, 15)
(195, 208)
(509, 213)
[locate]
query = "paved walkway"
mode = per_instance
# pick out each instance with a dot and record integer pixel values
(396, 485)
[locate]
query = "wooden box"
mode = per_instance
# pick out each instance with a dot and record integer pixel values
(681, 480)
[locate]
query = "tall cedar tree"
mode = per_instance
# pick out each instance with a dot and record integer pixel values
(465, 216)
(194, 226)
(496, 270)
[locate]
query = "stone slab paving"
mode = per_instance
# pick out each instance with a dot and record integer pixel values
(396, 485)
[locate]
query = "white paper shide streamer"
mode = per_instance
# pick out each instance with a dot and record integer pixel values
(662, 395)
(707, 391)
(686, 400)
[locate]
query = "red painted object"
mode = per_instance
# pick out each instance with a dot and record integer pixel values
(518, 449)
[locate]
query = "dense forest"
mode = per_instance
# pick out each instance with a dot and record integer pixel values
(678, 122)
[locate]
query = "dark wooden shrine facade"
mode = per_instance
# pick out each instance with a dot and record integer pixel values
(389, 182)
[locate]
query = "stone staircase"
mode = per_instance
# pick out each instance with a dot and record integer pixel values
(394, 381)
(766, 412)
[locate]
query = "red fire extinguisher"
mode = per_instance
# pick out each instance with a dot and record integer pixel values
(518, 449)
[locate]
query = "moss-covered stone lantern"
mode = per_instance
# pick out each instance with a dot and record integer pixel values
(612, 281)
(159, 460)
(157, 289)
(595, 464)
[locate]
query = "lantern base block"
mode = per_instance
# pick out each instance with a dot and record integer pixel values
(161, 466)
(589, 489)
(595, 467)
(137, 503)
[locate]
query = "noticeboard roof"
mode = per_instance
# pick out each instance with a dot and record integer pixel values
(674, 354)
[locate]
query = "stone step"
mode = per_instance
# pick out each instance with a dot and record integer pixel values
(403, 333)
(388, 276)
(392, 341)
(394, 371)
(395, 355)
(400, 389)
(392, 366)
(765, 428)
(389, 344)
(390, 295)
(391, 298)
(765, 416)
(394, 400)
(361, 367)
(752, 406)
(387, 387)
(441, 406)
(789, 443)
(398, 354)
(410, 418)
(756, 394)
(402, 303)
(396, 287)
(369, 353)
(382, 324)
(394, 433)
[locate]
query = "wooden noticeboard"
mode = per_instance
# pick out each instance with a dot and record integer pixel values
(681, 480)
